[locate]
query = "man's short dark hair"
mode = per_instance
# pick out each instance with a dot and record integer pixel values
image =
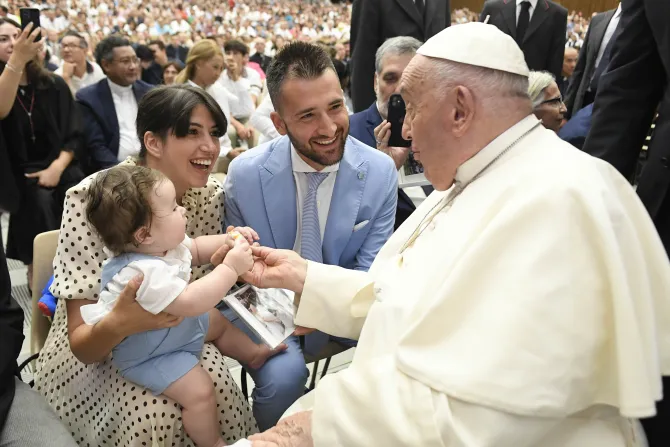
(144, 53)
(297, 60)
(235, 46)
(158, 43)
(4, 9)
(105, 49)
(71, 33)
(167, 111)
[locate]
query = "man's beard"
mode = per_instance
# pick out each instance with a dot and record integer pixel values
(312, 154)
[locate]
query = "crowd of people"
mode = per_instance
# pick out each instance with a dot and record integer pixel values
(130, 126)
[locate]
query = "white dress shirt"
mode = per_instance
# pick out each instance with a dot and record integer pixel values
(609, 32)
(76, 83)
(243, 105)
(223, 97)
(125, 106)
(261, 121)
(533, 5)
(323, 194)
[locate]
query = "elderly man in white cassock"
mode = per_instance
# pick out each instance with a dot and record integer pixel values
(525, 303)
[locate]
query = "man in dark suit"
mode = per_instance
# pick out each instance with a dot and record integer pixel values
(390, 61)
(582, 89)
(569, 63)
(630, 91)
(374, 21)
(109, 107)
(259, 56)
(538, 26)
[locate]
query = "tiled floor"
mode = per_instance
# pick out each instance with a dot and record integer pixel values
(21, 294)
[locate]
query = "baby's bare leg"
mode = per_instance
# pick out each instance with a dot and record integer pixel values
(195, 393)
(234, 343)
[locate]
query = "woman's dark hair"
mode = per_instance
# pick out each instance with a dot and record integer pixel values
(167, 110)
(36, 73)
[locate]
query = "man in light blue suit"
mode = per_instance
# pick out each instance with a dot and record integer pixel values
(315, 190)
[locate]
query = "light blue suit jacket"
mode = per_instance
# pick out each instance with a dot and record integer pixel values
(260, 192)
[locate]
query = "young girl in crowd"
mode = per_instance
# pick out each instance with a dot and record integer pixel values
(135, 212)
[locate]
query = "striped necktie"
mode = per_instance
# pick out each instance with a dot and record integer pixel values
(310, 240)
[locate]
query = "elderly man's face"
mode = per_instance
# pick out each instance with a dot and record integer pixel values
(388, 81)
(313, 114)
(425, 121)
(569, 61)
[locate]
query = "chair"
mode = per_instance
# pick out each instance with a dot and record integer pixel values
(44, 251)
(327, 353)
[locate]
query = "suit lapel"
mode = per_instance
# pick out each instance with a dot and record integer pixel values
(410, 9)
(430, 14)
(344, 205)
(539, 15)
(373, 119)
(279, 194)
(107, 102)
(509, 14)
(599, 34)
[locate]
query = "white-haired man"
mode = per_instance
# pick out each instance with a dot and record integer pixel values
(524, 304)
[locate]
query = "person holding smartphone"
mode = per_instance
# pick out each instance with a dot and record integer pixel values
(41, 127)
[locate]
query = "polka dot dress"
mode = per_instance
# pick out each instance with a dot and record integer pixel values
(99, 407)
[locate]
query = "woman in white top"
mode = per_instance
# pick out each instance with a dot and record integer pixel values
(204, 65)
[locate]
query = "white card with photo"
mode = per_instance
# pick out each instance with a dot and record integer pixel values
(411, 174)
(268, 312)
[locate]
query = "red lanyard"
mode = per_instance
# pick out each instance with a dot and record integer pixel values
(29, 113)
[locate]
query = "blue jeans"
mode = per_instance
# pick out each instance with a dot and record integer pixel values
(279, 382)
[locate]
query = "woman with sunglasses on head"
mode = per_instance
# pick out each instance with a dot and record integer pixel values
(547, 101)
(41, 127)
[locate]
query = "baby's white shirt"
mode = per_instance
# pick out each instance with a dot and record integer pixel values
(165, 278)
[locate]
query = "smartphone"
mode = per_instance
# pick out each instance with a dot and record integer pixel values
(396, 116)
(29, 15)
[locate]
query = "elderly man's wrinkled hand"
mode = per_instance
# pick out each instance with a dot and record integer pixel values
(293, 431)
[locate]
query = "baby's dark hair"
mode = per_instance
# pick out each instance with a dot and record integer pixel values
(118, 204)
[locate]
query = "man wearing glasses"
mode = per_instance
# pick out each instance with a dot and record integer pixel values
(75, 69)
(109, 107)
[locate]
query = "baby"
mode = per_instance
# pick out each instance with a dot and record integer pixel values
(135, 212)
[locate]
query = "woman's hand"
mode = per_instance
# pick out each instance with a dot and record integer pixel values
(293, 431)
(47, 178)
(25, 47)
(131, 318)
(249, 233)
(382, 135)
(282, 269)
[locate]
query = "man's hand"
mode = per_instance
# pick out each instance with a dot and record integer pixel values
(293, 431)
(282, 269)
(68, 70)
(382, 135)
(47, 178)
(235, 152)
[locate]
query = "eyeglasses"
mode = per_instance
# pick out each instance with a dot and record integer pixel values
(127, 61)
(554, 102)
(70, 46)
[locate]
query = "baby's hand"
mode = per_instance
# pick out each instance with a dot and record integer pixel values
(247, 232)
(239, 258)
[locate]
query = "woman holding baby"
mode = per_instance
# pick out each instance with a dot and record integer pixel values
(135, 396)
